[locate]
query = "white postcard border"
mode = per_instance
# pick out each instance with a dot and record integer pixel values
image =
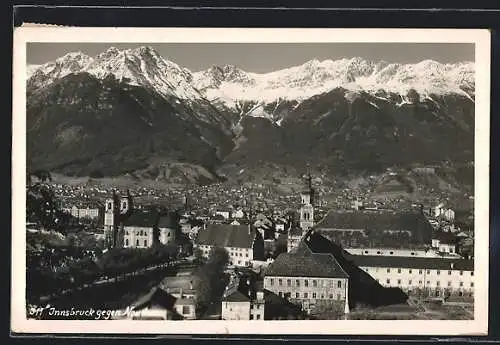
(481, 38)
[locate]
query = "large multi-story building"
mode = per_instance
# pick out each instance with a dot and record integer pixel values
(308, 278)
(84, 210)
(434, 277)
(242, 242)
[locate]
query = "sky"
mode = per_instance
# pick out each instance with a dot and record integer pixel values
(266, 57)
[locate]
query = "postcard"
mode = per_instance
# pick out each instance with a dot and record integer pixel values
(250, 181)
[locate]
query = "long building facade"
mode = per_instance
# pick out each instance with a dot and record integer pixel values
(432, 277)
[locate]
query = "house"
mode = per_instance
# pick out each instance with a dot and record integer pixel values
(445, 242)
(155, 305)
(238, 306)
(449, 215)
(239, 214)
(225, 213)
(84, 210)
(308, 278)
(186, 307)
(181, 287)
(243, 298)
(242, 242)
(294, 237)
(280, 225)
(185, 225)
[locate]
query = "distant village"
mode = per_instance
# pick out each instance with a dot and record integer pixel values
(286, 255)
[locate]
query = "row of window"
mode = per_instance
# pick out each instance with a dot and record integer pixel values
(410, 271)
(257, 306)
(257, 317)
(238, 249)
(139, 233)
(236, 254)
(137, 243)
(306, 216)
(420, 282)
(306, 295)
(305, 282)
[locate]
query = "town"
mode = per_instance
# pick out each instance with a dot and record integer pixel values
(245, 252)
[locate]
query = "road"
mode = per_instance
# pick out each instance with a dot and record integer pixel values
(107, 280)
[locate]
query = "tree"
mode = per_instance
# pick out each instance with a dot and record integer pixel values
(211, 280)
(42, 205)
(198, 254)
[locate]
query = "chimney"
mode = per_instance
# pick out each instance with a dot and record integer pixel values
(452, 265)
(180, 292)
(191, 285)
(260, 296)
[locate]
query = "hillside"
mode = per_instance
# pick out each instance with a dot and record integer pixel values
(134, 112)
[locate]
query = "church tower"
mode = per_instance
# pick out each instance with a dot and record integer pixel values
(112, 220)
(307, 208)
(126, 204)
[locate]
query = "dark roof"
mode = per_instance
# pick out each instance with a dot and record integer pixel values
(235, 296)
(226, 235)
(295, 230)
(178, 282)
(445, 237)
(143, 219)
(414, 222)
(155, 297)
(411, 262)
(167, 221)
(306, 263)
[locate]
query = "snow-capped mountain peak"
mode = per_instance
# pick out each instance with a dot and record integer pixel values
(138, 66)
(355, 74)
(229, 84)
(59, 68)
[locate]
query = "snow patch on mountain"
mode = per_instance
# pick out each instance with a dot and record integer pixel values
(233, 87)
(140, 66)
(316, 77)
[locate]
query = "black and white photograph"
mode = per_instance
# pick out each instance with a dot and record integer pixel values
(327, 176)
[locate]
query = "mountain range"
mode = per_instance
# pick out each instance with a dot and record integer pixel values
(135, 112)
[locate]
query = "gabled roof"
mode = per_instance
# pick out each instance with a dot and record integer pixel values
(155, 297)
(226, 235)
(141, 219)
(445, 237)
(178, 282)
(414, 222)
(235, 296)
(306, 263)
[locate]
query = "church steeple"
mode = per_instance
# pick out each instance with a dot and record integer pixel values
(307, 198)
